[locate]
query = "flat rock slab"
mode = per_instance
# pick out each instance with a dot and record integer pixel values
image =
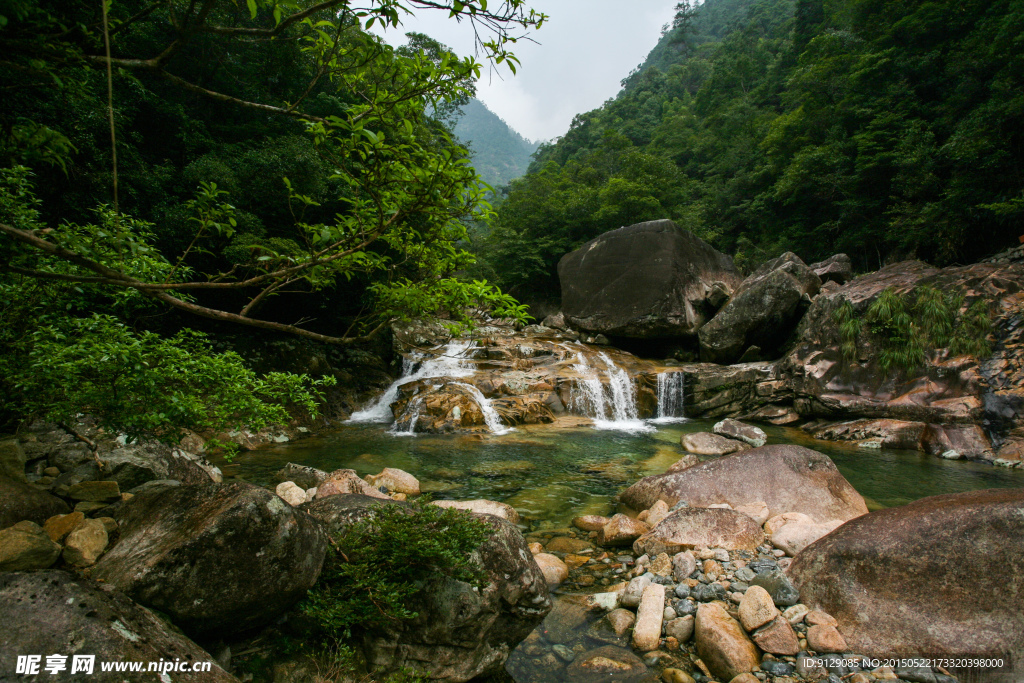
(689, 528)
(706, 443)
(52, 611)
(952, 579)
(786, 478)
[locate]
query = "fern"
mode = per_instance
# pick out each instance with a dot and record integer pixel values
(908, 328)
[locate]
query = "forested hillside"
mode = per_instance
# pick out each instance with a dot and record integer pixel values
(883, 128)
(499, 153)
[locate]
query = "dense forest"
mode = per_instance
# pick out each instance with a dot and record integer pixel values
(885, 129)
(499, 154)
(278, 168)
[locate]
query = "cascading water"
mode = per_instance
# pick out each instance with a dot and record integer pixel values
(491, 418)
(451, 362)
(670, 397)
(611, 403)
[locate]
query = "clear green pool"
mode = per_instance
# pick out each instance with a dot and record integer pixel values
(551, 473)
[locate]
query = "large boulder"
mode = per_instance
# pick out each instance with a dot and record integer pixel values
(941, 575)
(460, 632)
(20, 501)
(690, 528)
(763, 312)
(217, 558)
(786, 478)
(644, 281)
(53, 612)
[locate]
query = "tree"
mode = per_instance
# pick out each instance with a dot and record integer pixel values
(404, 187)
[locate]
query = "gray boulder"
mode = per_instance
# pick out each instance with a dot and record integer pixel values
(940, 575)
(20, 501)
(48, 612)
(647, 280)
(217, 558)
(460, 633)
(786, 478)
(763, 311)
(838, 269)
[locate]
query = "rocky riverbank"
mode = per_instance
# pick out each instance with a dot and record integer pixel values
(763, 565)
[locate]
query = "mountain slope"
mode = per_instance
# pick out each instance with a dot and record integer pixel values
(499, 153)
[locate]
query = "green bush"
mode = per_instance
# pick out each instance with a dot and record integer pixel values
(377, 566)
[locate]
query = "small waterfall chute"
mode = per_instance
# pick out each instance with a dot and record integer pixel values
(671, 387)
(607, 396)
(451, 362)
(491, 418)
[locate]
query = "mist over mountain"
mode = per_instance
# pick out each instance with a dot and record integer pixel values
(499, 153)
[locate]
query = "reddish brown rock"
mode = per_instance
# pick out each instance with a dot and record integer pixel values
(785, 478)
(822, 638)
(621, 530)
(936, 575)
(777, 638)
(888, 433)
(689, 528)
(342, 482)
(590, 522)
(555, 571)
(721, 643)
(965, 441)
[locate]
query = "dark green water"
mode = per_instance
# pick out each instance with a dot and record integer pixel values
(553, 473)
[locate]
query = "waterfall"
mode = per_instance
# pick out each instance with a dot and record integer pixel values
(415, 406)
(670, 397)
(451, 362)
(491, 418)
(612, 406)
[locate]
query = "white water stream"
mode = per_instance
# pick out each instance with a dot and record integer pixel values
(491, 418)
(610, 403)
(450, 363)
(670, 397)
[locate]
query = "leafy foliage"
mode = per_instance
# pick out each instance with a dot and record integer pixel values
(380, 563)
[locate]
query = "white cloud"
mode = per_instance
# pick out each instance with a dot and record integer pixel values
(582, 53)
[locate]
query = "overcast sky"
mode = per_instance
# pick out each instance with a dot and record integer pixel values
(585, 49)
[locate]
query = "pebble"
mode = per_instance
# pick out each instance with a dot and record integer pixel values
(682, 591)
(709, 592)
(676, 676)
(745, 574)
(647, 630)
(776, 668)
(564, 653)
(796, 613)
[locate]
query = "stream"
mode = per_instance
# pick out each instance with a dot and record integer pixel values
(595, 448)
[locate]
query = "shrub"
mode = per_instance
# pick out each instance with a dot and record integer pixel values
(379, 564)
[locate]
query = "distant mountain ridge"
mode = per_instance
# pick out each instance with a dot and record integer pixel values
(499, 153)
